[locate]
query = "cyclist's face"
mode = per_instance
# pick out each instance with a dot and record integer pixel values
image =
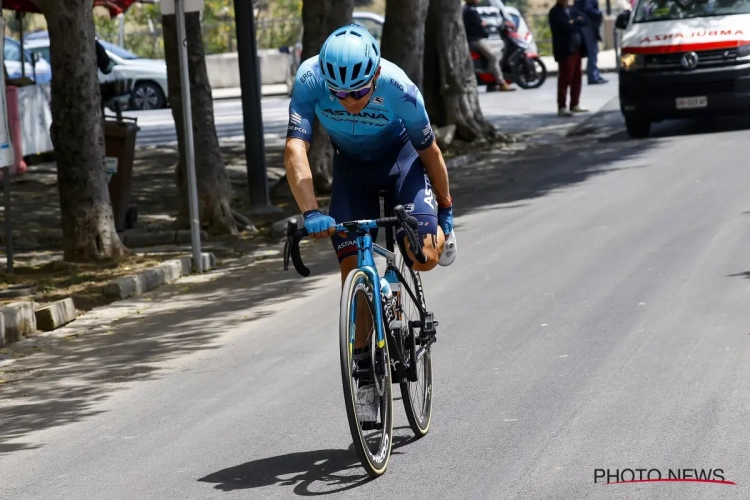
(354, 106)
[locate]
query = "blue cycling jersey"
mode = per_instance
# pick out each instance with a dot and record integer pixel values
(395, 112)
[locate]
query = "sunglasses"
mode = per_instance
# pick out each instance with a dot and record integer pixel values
(356, 94)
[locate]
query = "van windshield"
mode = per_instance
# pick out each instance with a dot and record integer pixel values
(665, 10)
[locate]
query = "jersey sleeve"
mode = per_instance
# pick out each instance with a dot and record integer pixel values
(302, 105)
(408, 105)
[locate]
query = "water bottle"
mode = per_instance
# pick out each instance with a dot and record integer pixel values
(385, 288)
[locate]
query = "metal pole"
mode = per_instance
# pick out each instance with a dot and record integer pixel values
(19, 18)
(6, 199)
(616, 43)
(8, 221)
(187, 118)
(609, 7)
(252, 115)
(121, 38)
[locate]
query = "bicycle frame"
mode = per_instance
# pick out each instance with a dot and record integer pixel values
(366, 250)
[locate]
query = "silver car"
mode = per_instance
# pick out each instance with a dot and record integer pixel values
(148, 76)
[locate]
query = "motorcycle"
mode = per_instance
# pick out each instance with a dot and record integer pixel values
(519, 64)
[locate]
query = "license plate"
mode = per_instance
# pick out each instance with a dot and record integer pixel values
(692, 102)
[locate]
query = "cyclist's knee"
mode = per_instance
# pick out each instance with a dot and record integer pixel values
(432, 247)
(347, 264)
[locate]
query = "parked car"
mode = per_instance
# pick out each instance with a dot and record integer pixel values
(39, 71)
(149, 76)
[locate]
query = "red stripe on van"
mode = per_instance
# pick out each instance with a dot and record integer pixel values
(688, 47)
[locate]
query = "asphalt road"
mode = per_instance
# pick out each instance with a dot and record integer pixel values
(513, 112)
(596, 317)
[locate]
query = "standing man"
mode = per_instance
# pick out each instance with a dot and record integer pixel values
(592, 37)
(477, 36)
(567, 25)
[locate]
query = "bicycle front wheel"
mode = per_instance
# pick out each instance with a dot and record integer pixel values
(366, 377)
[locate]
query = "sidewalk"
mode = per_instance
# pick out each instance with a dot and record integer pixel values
(236, 92)
(606, 60)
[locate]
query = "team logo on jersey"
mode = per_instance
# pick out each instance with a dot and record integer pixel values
(378, 100)
(374, 118)
(295, 118)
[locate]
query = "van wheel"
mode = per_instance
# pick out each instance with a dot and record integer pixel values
(638, 126)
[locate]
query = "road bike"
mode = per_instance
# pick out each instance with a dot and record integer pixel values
(400, 340)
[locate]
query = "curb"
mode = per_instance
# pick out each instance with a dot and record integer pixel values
(21, 319)
(165, 273)
(462, 160)
(556, 72)
(595, 121)
(55, 314)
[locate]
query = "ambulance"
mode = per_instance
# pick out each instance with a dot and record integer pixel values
(683, 59)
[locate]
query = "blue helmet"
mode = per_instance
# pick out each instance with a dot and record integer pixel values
(349, 57)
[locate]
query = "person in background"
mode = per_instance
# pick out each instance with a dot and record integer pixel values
(592, 36)
(103, 61)
(477, 36)
(567, 23)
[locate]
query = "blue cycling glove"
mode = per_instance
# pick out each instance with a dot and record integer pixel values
(445, 219)
(317, 222)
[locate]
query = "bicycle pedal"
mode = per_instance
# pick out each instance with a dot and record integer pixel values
(429, 324)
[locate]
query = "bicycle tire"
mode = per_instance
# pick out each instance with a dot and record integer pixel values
(374, 463)
(419, 419)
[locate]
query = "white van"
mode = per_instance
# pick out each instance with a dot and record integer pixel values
(683, 58)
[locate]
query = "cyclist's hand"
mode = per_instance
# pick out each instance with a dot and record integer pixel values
(319, 225)
(445, 219)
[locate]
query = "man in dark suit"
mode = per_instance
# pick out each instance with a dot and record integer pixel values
(477, 36)
(592, 36)
(569, 49)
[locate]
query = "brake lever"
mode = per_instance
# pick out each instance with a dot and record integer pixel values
(291, 228)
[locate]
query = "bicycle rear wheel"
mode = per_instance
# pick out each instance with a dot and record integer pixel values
(373, 449)
(416, 396)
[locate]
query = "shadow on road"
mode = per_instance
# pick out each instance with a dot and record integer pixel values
(67, 380)
(710, 125)
(311, 473)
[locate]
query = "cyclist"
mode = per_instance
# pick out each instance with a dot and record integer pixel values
(382, 140)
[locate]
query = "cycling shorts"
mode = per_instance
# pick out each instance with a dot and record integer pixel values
(356, 186)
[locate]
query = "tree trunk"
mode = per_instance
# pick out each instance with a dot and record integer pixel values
(88, 225)
(450, 85)
(214, 188)
(319, 19)
(402, 42)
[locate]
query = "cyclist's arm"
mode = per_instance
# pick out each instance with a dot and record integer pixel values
(434, 165)
(412, 111)
(299, 174)
(298, 137)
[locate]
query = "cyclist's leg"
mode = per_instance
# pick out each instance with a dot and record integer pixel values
(413, 190)
(353, 197)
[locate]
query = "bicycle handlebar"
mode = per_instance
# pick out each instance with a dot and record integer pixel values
(409, 224)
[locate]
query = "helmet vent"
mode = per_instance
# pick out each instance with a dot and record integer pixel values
(375, 48)
(330, 70)
(342, 72)
(356, 70)
(369, 67)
